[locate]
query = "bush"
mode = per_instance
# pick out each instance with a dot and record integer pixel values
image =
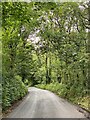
(12, 90)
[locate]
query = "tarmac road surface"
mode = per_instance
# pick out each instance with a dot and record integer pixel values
(44, 104)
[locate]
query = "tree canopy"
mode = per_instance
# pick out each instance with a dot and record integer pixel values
(45, 44)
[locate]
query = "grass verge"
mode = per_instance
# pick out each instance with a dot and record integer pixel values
(72, 95)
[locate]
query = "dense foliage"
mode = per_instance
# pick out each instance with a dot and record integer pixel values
(13, 90)
(45, 44)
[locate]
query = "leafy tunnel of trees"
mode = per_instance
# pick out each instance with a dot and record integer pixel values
(45, 45)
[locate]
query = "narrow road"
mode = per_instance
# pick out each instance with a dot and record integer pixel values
(44, 104)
